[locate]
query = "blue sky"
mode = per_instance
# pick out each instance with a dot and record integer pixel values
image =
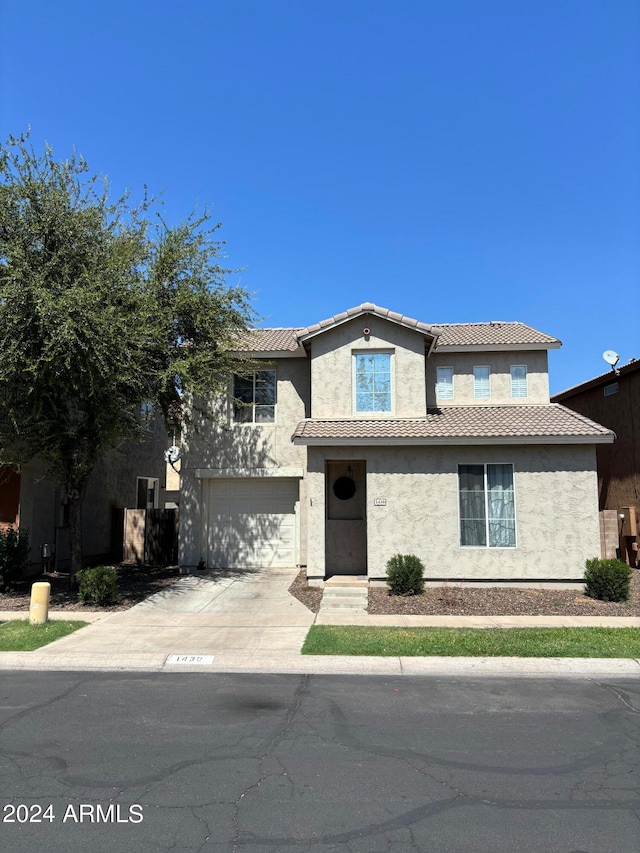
(456, 161)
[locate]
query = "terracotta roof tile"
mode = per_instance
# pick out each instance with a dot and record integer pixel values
(460, 422)
(366, 308)
(497, 333)
(449, 334)
(268, 340)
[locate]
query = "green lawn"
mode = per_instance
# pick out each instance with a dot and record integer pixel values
(19, 636)
(478, 642)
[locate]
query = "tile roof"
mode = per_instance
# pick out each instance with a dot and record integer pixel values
(496, 333)
(358, 311)
(461, 424)
(268, 340)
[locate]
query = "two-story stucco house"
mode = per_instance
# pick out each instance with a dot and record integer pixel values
(371, 434)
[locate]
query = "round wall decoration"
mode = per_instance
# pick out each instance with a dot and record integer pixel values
(344, 488)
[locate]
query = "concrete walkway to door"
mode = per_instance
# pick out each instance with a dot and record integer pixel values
(237, 613)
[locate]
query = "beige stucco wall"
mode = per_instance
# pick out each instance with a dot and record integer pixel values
(220, 444)
(556, 510)
(500, 377)
(332, 372)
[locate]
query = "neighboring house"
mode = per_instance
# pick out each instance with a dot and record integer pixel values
(133, 476)
(371, 434)
(613, 399)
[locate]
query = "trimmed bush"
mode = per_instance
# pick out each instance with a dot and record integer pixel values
(98, 586)
(607, 580)
(14, 556)
(405, 574)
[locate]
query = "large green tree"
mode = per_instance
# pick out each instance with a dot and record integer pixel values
(102, 307)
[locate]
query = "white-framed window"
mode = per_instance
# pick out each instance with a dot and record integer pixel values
(487, 505)
(372, 372)
(481, 382)
(610, 389)
(444, 383)
(147, 489)
(148, 417)
(519, 381)
(254, 397)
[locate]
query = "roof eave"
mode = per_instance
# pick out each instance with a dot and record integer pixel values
(495, 347)
(453, 440)
(598, 381)
(298, 352)
(423, 329)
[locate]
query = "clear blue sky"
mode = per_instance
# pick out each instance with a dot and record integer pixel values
(455, 161)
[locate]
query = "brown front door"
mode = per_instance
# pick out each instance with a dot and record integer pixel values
(346, 523)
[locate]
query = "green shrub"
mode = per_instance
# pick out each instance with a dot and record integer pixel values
(98, 586)
(405, 574)
(14, 555)
(607, 580)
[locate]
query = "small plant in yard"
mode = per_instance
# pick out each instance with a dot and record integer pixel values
(98, 586)
(14, 556)
(607, 580)
(405, 574)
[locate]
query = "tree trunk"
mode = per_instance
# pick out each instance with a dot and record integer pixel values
(75, 499)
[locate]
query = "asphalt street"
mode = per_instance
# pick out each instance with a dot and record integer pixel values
(190, 762)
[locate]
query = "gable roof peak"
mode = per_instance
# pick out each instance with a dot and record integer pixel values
(358, 311)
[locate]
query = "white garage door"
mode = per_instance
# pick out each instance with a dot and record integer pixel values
(252, 522)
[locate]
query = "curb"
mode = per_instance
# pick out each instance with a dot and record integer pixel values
(585, 668)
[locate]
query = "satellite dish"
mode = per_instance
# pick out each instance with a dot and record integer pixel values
(172, 454)
(611, 357)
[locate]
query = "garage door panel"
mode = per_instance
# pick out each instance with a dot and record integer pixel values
(252, 522)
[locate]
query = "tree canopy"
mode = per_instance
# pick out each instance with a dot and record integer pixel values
(102, 307)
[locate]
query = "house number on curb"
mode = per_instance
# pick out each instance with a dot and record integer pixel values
(379, 501)
(190, 659)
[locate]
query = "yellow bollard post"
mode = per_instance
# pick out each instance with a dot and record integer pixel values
(39, 605)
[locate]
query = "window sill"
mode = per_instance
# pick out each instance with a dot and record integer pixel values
(245, 424)
(488, 547)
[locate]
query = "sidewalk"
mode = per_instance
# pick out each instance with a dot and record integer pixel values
(248, 622)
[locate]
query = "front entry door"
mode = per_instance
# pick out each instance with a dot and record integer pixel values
(346, 523)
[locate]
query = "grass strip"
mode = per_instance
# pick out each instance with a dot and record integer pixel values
(19, 636)
(473, 642)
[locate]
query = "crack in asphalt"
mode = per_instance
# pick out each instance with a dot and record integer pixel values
(290, 715)
(619, 694)
(613, 766)
(47, 703)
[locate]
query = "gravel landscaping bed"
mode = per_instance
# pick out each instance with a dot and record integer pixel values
(136, 583)
(501, 601)
(490, 601)
(309, 595)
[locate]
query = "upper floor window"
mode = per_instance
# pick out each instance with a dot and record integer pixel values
(148, 417)
(519, 380)
(254, 397)
(373, 382)
(611, 389)
(487, 506)
(444, 386)
(147, 492)
(481, 382)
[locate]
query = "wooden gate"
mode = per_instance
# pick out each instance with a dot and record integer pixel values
(150, 536)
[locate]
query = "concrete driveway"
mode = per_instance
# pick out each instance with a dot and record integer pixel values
(240, 612)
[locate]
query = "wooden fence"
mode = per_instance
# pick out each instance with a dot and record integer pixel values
(148, 536)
